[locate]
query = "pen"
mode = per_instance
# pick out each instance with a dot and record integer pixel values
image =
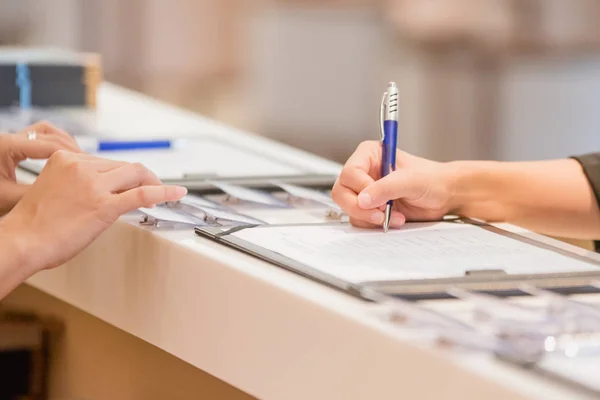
(388, 128)
(90, 144)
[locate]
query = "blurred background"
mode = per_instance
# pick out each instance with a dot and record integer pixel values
(478, 79)
(493, 79)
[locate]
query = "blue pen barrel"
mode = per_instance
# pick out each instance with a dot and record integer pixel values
(133, 145)
(389, 144)
(390, 129)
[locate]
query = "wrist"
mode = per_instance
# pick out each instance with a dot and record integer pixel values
(475, 189)
(15, 247)
(459, 173)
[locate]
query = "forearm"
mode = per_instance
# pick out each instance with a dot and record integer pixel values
(549, 197)
(13, 269)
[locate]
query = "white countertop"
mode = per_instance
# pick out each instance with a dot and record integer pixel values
(266, 331)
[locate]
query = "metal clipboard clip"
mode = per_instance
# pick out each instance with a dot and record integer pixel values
(164, 216)
(216, 216)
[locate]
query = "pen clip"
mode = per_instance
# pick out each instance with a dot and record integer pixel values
(382, 115)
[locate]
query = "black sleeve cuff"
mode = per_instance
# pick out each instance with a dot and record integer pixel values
(591, 168)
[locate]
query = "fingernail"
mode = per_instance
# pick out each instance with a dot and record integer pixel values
(180, 191)
(365, 200)
(377, 218)
(397, 221)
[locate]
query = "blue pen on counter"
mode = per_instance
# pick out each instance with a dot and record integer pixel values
(93, 145)
(388, 128)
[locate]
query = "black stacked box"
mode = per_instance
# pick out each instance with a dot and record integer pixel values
(57, 78)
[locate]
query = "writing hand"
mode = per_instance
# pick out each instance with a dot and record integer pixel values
(421, 189)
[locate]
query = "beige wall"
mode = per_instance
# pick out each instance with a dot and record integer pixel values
(310, 72)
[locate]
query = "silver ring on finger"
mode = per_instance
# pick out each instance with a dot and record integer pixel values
(32, 135)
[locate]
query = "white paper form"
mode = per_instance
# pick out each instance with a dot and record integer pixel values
(193, 200)
(308, 194)
(251, 195)
(227, 215)
(165, 214)
(279, 216)
(417, 251)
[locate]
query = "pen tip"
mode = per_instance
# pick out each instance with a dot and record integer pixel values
(388, 216)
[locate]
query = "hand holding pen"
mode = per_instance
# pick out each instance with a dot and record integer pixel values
(383, 186)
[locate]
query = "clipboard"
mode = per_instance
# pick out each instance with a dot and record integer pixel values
(556, 337)
(397, 302)
(202, 185)
(495, 282)
(182, 166)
